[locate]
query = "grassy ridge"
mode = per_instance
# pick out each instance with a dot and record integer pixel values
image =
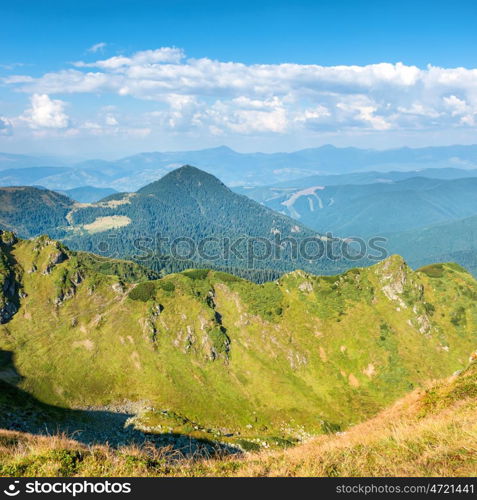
(284, 360)
(430, 432)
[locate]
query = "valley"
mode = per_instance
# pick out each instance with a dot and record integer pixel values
(213, 355)
(429, 432)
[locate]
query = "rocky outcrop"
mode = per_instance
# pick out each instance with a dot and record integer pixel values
(9, 283)
(393, 277)
(9, 301)
(68, 288)
(219, 340)
(55, 259)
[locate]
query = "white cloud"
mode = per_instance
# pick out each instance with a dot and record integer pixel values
(457, 106)
(111, 120)
(231, 97)
(241, 115)
(18, 79)
(145, 57)
(248, 116)
(11, 66)
(97, 47)
(362, 110)
(316, 113)
(418, 109)
(111, 129)
(46, 113)
(5, 126)
(467, 112)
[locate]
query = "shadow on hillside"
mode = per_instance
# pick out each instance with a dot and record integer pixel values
(19, 411)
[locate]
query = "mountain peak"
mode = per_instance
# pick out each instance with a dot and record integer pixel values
(185, 177)
(186, 170)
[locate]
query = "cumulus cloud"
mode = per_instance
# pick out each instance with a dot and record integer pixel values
(221, 97)
(241, 115)
(361, 110)
(314, 118)
(248, 116)
(46, 113)
(465, 111)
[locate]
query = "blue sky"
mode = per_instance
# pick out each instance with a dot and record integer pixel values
(253, 75)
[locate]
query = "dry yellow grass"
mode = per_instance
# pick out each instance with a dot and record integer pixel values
(391, 444)
(430, 432)
(106, 223)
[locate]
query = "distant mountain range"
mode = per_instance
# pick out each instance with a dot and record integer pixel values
(415, 215)
(12, 161)
(372, 209)
(425, 219)
(134, 172)
(186, 219)
(263, 193)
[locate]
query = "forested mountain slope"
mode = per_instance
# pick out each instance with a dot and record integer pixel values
(373, 209)
(186, 219)
(451, 241)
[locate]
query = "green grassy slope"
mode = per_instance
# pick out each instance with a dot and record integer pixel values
(289, 358)
(429, 432)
